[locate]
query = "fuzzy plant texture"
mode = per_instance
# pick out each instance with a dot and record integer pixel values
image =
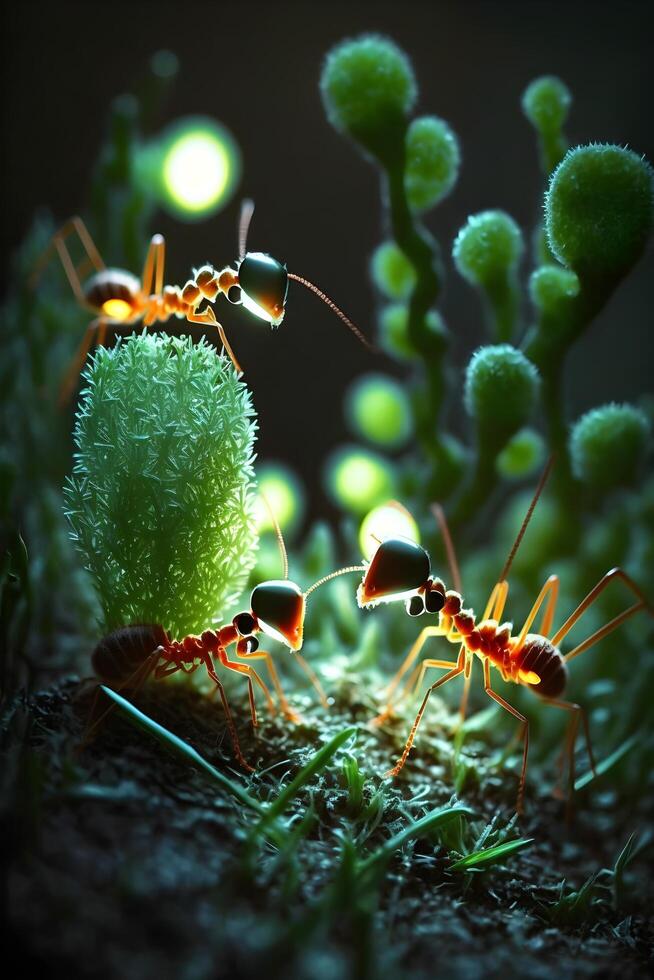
(160, 502)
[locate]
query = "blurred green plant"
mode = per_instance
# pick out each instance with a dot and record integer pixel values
(161, 498)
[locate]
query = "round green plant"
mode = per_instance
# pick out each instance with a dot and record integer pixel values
(378, 410)
(501, 387)
(608, 445)
(392, 272)
(432, 162)
(161, 499)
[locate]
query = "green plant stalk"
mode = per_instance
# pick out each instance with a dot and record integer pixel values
(503, 302)
(481, 482)
(424, 254)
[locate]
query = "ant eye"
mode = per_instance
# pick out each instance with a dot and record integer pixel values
(434, 601)
(234, 294)
(244, 623)
(415, 606)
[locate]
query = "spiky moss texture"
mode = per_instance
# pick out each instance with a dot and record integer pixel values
(160, 502)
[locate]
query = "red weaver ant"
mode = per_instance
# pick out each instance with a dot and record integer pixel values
(259, 282)
(401, 570)
(129, 655)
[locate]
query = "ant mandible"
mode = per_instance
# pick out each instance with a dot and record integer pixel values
(400, 569)
(259, 282)
(129, 655)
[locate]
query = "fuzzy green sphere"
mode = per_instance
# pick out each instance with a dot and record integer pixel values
(598, 210)
(500, 390)
(488, 247)
(546, 103)
(608, 445)
(392, 272)
(432, 162)
(378, 410)
(367, 85)
(551, 285)
(161, 500)
(357, 479)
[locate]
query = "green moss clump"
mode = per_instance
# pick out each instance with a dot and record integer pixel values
(608, 445)
(160, 502)
(489, 244)
(598, 211)
(367, 86)
(432, 162)
(500, 391)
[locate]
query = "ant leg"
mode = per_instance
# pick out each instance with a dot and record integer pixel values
(153, 270)
(497, 601)
(516, 714)
(313, 677)
(94, 337)
(410, 658)
(72, 272)
(576, 713)
(236, 745)
(252, 675)
(397, 768)
(134, 683)
(285, 706)
(208, 316)
(613, 624)
(549, 593)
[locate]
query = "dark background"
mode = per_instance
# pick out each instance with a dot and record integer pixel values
(256, 68)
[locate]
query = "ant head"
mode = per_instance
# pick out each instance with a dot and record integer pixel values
(398, 569)
(264, 284)
(279, 609)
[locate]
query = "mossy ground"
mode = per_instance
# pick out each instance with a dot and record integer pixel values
(123, 861)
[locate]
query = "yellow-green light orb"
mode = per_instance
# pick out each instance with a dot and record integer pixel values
(282, 490)
(358, 479)
(389, 520)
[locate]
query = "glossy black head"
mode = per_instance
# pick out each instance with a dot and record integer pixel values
(264, 284)
(279, 608)
(398, 569)
(245, 623)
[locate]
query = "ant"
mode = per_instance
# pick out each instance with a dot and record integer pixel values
(129, 655)
(400, 569)
(259, 282)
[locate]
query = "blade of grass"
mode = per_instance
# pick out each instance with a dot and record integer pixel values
(313, 766)
(416, 829)
(491, 855)
(181, 748)
(607, 763)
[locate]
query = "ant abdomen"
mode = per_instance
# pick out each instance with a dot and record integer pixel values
(118, 656)
(541, 657)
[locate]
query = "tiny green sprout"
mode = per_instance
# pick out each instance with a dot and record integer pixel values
(161, 499)
(598, 211)
(378, 410)
(357, 479)
(608, 445)
(546, 103)
(368, 87)
(432, 162)
(523, 454)
(550, 286)
(487, 247)
(500, 391)
(392, 272)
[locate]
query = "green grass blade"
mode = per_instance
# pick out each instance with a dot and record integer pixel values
(607, 763)
(313, 766)
(491, 855)
(181, 748)
(419, 827)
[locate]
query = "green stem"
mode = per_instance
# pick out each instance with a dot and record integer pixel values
(481, 483)
(502, 297)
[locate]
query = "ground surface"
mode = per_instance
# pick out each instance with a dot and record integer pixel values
(124, 861)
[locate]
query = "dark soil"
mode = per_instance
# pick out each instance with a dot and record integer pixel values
(122, 861)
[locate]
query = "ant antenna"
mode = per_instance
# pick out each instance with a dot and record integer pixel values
(327, 578)
(247, 210)
(439, 514)
(278, 533)
(530, 511)
(334, 308)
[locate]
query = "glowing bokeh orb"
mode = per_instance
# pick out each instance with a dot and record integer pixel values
(285, 497)
(389, 520)
(378, 409)
(358, 479)
(194, 168)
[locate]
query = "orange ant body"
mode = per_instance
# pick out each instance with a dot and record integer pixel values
(401, 569)
(259, 283)
(129, 655)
